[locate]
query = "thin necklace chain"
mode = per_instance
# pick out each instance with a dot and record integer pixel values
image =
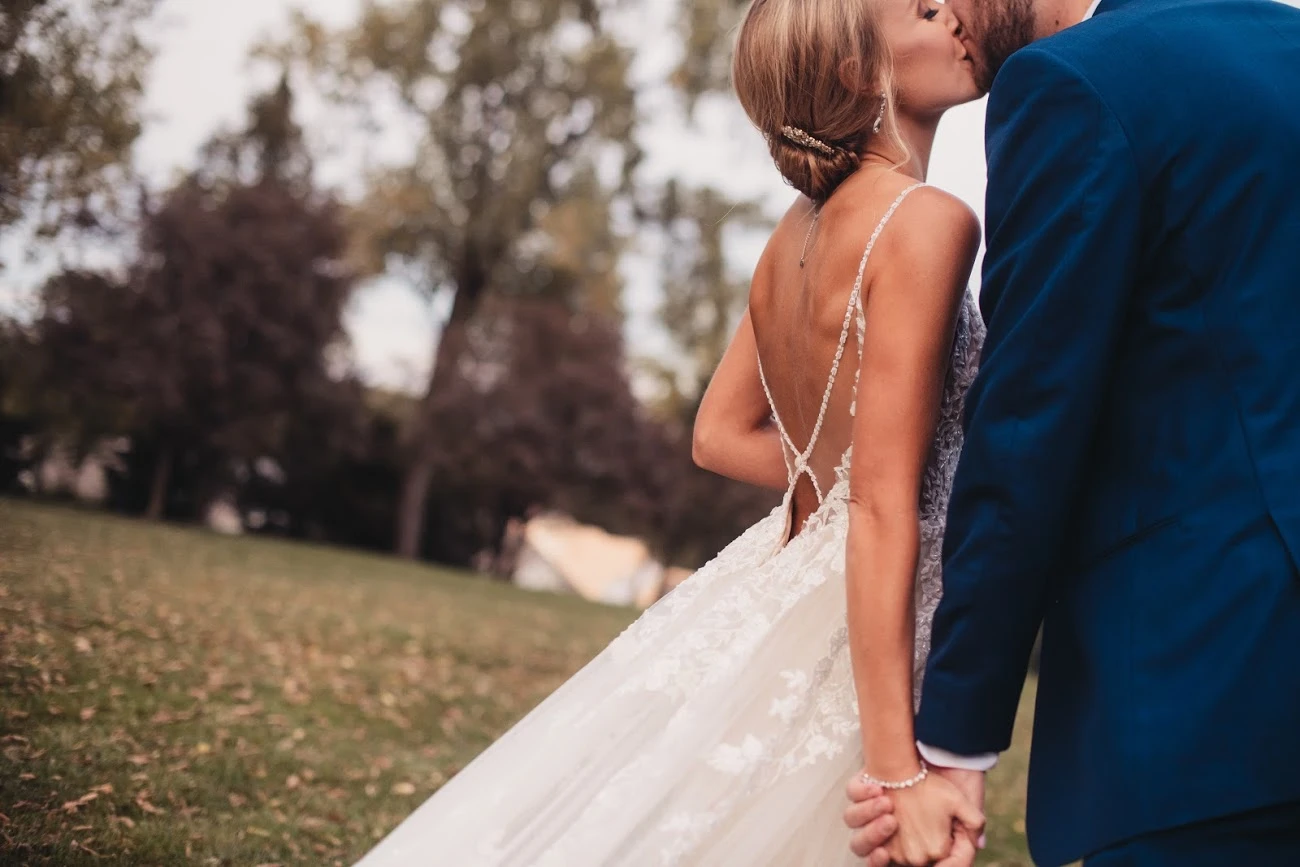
(803, 254)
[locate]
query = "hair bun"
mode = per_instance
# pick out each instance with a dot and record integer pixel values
(814, 167)
(810, 74)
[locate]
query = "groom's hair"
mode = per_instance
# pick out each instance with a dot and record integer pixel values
(811, 75)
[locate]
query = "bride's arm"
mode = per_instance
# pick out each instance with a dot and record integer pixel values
(734, 435)
(920, 272)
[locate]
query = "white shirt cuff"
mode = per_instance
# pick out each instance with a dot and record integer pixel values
(944, 759)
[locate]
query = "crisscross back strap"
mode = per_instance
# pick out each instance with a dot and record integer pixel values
(797, 464)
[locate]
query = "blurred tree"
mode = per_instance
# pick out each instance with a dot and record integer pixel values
(74, 410)
(702, 304)
(703, 512)
(71, 75)
(516, 106)
(540, 415)
(332, 475)
(271, 148)
(708, 30)
(219, 342)
(703, 299)
(19, 415)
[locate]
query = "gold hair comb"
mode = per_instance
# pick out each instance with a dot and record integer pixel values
(799, 137)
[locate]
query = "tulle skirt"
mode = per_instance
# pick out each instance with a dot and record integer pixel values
(720, 729)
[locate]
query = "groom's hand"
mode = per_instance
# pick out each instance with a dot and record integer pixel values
(971, 785)
(870, 818)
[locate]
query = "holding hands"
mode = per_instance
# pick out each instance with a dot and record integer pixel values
(937, 821)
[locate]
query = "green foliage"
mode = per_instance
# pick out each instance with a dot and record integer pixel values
(703, 299)
(514, 104)
(708, 31)
(71, 75)
(517, 105)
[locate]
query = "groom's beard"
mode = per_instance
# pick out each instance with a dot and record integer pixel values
(1002, 27)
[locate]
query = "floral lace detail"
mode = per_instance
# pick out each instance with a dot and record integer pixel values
(818, 710)
(936, 489)
(720, 727)
(749, 550)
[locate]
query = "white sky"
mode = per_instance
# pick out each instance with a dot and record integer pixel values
(201, 79)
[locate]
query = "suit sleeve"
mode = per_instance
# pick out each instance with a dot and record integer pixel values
(1063, 225)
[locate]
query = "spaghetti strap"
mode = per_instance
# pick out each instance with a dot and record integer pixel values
(856, 301)
(798, 465)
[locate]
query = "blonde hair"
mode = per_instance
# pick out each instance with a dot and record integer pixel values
(817, 67)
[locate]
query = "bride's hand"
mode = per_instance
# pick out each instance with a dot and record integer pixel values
(871, 821)
(928, 816)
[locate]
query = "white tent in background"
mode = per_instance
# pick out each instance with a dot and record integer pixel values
(559, 555)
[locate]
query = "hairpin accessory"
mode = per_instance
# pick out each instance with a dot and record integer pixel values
(799, 137)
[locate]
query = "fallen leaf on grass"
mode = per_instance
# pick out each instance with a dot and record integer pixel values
(73, 806)
(142, 801)
(163, 717)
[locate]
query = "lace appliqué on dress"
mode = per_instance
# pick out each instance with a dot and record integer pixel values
(719, 728)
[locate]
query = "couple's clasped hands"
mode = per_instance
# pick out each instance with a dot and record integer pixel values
(936, 823)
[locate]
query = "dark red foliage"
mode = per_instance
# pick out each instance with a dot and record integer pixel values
(217, 341)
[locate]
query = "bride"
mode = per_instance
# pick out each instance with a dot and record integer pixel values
(723, 726)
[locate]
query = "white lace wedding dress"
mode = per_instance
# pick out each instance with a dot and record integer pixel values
(721, 728)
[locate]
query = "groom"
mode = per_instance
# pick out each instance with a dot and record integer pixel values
(1131, 476)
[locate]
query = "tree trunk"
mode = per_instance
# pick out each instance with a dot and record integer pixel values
(410, 508)
(162, 479)
(421, 437)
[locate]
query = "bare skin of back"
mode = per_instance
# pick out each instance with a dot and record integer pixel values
(796, 314)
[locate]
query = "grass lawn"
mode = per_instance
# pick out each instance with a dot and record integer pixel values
(173, 697)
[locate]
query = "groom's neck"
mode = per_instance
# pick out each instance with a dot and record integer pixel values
(1053, 16)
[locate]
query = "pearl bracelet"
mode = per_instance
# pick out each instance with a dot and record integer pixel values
(905, 784)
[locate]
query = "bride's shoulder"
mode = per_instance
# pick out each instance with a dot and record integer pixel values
(928, 216)
(931, 241)
(930, 225)
(931, 216)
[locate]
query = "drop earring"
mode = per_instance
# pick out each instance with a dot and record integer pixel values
(880, 118)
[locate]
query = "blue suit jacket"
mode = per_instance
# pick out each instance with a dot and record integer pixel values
(1131, 474)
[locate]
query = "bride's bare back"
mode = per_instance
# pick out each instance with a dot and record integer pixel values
(807, 310)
